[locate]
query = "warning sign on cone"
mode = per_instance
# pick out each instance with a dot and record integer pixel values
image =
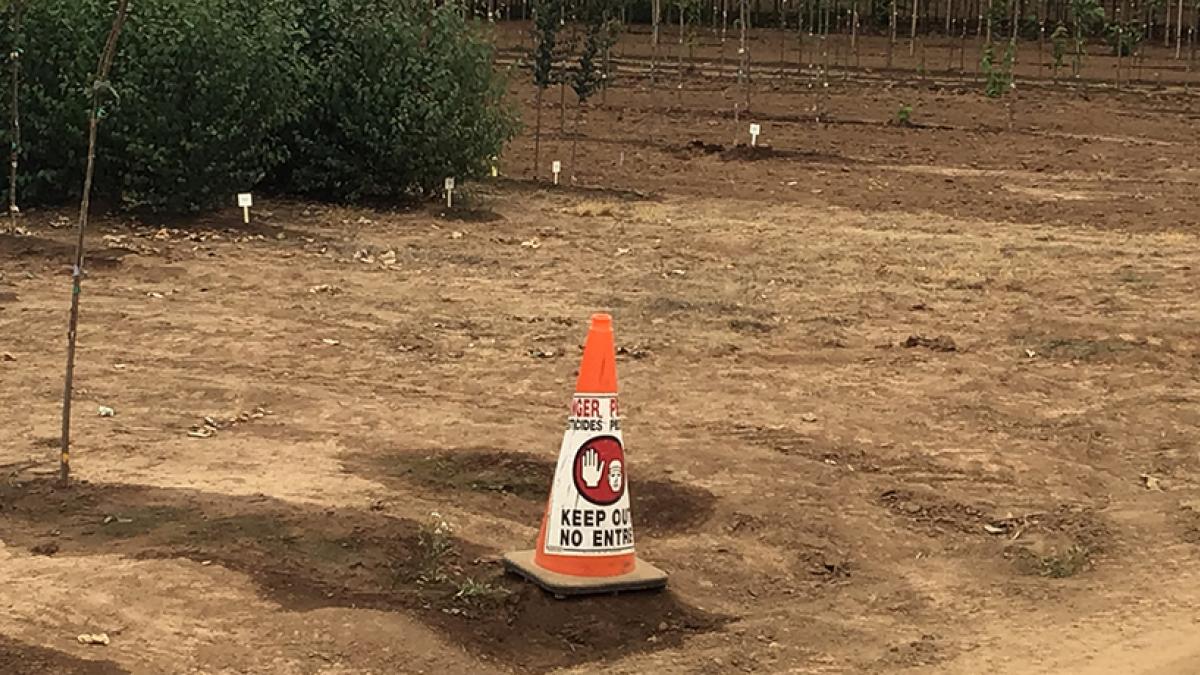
(585, 544)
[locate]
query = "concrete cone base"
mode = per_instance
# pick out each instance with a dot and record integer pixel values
(644, 577)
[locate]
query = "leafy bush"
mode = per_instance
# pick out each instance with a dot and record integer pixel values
(334, 98)
(999, 77)
(1124, 38)
(1087, 17)
(1059, 39)
(200, 89)
(401, 96)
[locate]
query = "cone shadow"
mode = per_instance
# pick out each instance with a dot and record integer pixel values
(514, 486)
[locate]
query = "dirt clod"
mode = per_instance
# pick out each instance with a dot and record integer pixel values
(937, 344)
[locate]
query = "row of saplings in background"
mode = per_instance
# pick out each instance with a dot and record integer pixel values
(1086, 16)
(342, 99)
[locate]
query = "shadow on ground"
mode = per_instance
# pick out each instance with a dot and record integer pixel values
(306, 557)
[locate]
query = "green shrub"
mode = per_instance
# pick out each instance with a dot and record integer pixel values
(1124, 38)
(999, 77)
(401, 96)
(334, 98)
(201, 89)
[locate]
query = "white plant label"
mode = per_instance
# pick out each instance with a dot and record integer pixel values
(449, 193)
(245, 200)
(755, 130)
(557, 169)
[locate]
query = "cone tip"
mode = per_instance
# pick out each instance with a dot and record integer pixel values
(602, 321)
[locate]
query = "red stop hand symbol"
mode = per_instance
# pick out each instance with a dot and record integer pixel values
(600, 470)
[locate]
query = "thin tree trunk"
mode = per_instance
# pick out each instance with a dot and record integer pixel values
(562, 108)
(988, 39)
(800, 37)
(1178, 32)
(823, 95)
(679, 60)
(724, 31)
(681, 20)
(1120, 42)
(99, 85)
(854, 32)
(655, 13)
(15, 131)
(604, 75)
(912, 38)
(891, 35)
(744, 51)
(949, 11)
(783, 39)
(1192, 43)
(949, 47)
(1042, 37)
(1077, 58)
(962, 49)
(575, 140)
(1167, 22)
(537, 136)
(1014, 33)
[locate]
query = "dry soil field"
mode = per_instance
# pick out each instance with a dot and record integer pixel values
(916, 399)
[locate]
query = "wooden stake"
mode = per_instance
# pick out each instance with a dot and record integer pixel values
(99, 85)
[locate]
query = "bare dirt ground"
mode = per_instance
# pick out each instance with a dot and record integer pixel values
(916, 399)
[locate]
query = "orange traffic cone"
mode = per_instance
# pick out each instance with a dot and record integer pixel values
(585, 544)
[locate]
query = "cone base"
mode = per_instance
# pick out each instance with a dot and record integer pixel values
(644, 577)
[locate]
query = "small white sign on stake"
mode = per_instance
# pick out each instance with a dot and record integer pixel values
(755, 130)
(556, 167)
(450, 193)
(245, 201)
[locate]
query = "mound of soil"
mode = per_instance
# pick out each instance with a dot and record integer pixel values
(698, 148)
(751, 153)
